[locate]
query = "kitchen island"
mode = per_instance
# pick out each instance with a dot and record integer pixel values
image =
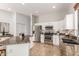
(45, 49)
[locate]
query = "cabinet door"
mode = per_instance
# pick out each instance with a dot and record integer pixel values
(18, 50)
(55, 39)
(69, 21)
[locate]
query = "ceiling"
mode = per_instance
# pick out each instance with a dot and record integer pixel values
(36, 8)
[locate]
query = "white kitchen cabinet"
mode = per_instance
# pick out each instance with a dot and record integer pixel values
(69, 21)
(18, 49)
(42, 38)
(56, 40)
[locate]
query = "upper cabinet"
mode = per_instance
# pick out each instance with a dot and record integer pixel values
(69, 21)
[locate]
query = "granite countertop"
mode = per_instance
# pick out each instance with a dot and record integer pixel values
(70, 41)
(54, 33)
(6, 36)
(49, 43)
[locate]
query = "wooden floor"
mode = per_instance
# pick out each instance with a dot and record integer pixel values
(40, 49)
(44, 50)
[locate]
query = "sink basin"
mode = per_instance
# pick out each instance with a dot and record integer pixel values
(69, 41)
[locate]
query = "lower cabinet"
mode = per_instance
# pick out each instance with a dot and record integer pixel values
(18, 49)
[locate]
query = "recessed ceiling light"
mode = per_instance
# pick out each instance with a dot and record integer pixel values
(22, 3)
(53, 6)
(9, 9)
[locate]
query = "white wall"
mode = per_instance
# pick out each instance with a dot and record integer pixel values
(58, 20)
(18, 22)
(55, 19)
(8, 17)
(22, 24)
(33, 21)
(50, 17)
